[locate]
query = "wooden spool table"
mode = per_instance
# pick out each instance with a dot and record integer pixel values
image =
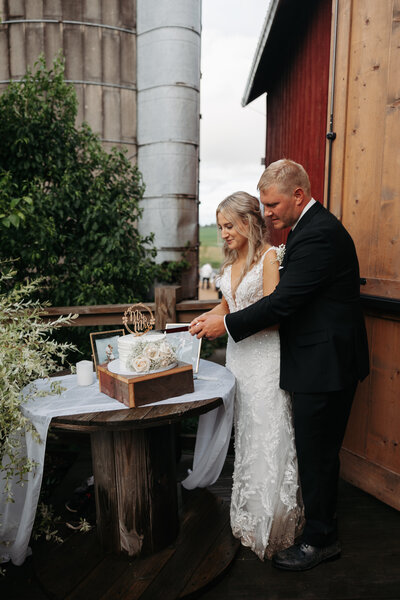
(137, 512)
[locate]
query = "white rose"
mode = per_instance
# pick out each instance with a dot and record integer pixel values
(164, 347)
(141, 364)
(151, 351)
(166, 350)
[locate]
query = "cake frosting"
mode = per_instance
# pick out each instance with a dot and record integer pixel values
(145, 353)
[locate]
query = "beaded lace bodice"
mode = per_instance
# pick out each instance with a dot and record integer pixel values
(264, 509)
(249, 289)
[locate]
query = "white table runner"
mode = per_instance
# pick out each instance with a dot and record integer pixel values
(212, 441)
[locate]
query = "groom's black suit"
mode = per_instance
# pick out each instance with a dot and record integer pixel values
(324, 352)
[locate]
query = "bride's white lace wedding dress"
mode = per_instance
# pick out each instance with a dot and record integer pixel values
(265, 511)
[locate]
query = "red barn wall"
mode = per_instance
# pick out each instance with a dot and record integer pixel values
(297, 100)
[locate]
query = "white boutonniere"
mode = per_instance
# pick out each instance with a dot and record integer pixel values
(280, 253)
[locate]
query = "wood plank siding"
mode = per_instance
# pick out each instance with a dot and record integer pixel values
(366, 164)
(364, 195)
(297, 95)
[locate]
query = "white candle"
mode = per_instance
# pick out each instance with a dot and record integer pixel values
(84, 372)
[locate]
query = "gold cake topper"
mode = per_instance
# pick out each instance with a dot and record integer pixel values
(136, 316)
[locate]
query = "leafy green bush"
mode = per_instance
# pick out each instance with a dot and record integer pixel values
(72, 206)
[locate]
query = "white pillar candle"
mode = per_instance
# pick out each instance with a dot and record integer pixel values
(84, 372)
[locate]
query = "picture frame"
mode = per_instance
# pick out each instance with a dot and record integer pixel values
(105, 346)
(186, 346)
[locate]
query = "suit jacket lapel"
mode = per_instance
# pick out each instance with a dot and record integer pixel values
(305, 219)
(292, 234)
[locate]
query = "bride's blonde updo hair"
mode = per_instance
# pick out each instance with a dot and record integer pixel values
(244, 212)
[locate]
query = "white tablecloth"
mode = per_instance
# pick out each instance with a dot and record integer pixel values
(214, 430)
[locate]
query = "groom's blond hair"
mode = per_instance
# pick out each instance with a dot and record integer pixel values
(287, 175)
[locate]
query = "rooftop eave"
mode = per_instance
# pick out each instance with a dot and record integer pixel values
(262, 42)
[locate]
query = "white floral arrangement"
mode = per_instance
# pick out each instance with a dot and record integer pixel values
(145, 357)
(280, 253)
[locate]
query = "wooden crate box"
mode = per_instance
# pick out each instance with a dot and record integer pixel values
(139, 390)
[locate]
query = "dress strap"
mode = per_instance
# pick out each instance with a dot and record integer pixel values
(266, 252)
(261, 262)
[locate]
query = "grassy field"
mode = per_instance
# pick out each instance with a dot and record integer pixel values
(210, 246)
(209, 235)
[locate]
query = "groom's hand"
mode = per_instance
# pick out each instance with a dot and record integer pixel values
(208, 326)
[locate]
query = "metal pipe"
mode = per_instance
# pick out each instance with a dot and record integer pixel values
(331, 135)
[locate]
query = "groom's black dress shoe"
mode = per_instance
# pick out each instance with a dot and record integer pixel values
(301, 557)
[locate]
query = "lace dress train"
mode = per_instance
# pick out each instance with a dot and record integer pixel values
(266, 512)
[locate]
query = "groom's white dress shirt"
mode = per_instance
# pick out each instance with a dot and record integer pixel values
(303, 212)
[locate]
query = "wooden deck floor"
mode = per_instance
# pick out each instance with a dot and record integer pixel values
(368, 570)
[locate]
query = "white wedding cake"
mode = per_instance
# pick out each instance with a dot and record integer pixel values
(146, 353)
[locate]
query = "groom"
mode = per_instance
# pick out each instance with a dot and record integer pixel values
(324, 351)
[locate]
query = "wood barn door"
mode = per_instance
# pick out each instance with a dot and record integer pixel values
(365, 196)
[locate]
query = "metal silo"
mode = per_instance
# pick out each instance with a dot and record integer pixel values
(98, 40)
(168, 84)
(104, 51)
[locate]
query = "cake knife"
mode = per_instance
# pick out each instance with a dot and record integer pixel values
(174, 329)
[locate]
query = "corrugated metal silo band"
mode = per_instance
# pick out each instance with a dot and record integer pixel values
(121, 86)
(178, 84)
(66, 22)
(176, 141)
(117, 141)
(151, 29)
(82, 82)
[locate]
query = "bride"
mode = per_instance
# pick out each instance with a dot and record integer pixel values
(265, 512)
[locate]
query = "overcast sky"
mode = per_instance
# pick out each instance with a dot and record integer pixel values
(232, 137)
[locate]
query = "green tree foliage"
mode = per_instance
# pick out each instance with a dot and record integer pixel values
(68, 209)
(13, 206)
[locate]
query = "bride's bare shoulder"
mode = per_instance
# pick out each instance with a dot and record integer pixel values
(268, 249)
